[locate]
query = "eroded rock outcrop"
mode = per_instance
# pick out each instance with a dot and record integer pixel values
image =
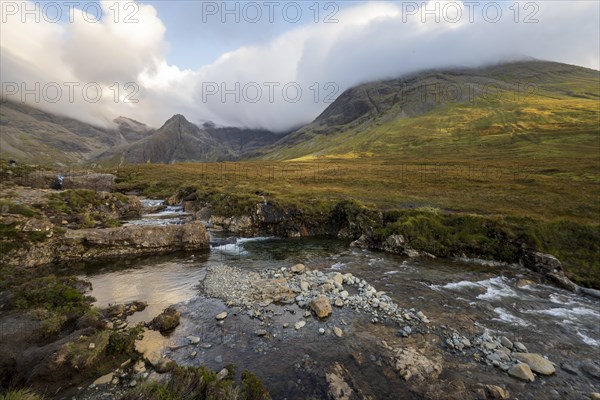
(550, 267)
(134, 240)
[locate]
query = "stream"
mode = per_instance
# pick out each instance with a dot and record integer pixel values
(466, 296)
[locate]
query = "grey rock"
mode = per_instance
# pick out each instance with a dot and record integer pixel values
(193, 339)
(506, 342)
(520, 347)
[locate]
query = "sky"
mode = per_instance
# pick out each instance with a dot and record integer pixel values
(264, 64)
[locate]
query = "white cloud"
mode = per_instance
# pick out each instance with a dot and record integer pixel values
(371, 41)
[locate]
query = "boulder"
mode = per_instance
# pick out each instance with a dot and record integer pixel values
(522, 371)
(497, 393)
(321, 307)
(298, 268)
(164, 365)
(167, 320)
(536, 362)
(550, 267)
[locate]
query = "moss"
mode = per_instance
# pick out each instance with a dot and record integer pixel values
(87, 207)
(123, 343)
(21, 394)
(253, 388)
(200, 383)
(10, 207)
(111, 223)
(80, 356)
(166, 321)
(54, 300)
(12, 239)
(87, 221)
(446, 235)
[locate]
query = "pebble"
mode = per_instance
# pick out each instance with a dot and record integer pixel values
(338, 332)
(92, 346)
(222, 374)
(339, 302)
(406, 331)
(321, 331)
(221, 316)
(299, 324)
(193, 339)
(207, 346)
(261, 332)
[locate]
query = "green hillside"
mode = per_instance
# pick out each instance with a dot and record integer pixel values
(529, 109)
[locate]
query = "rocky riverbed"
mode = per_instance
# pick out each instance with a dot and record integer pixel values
(400, 327)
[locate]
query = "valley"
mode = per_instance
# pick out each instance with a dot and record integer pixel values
(430, 236)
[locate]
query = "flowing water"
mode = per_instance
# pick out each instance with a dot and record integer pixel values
(467, 296)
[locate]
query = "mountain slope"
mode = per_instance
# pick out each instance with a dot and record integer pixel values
(179, 140)
(32, 135)
(516, 103)
(29, 134)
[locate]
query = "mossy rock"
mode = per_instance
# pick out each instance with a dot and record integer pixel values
(168, 320)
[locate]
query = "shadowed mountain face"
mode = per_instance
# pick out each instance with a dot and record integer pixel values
(33, 135)
(37, 136)
(179, 140)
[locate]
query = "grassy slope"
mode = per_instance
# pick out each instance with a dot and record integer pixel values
(559, 113)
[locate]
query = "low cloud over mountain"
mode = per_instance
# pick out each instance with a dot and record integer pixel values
(257, 86)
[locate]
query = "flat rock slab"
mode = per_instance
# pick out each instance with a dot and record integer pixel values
(151, 346)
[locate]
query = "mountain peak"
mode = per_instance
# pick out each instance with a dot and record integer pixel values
(178, 123)
(178, 118)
